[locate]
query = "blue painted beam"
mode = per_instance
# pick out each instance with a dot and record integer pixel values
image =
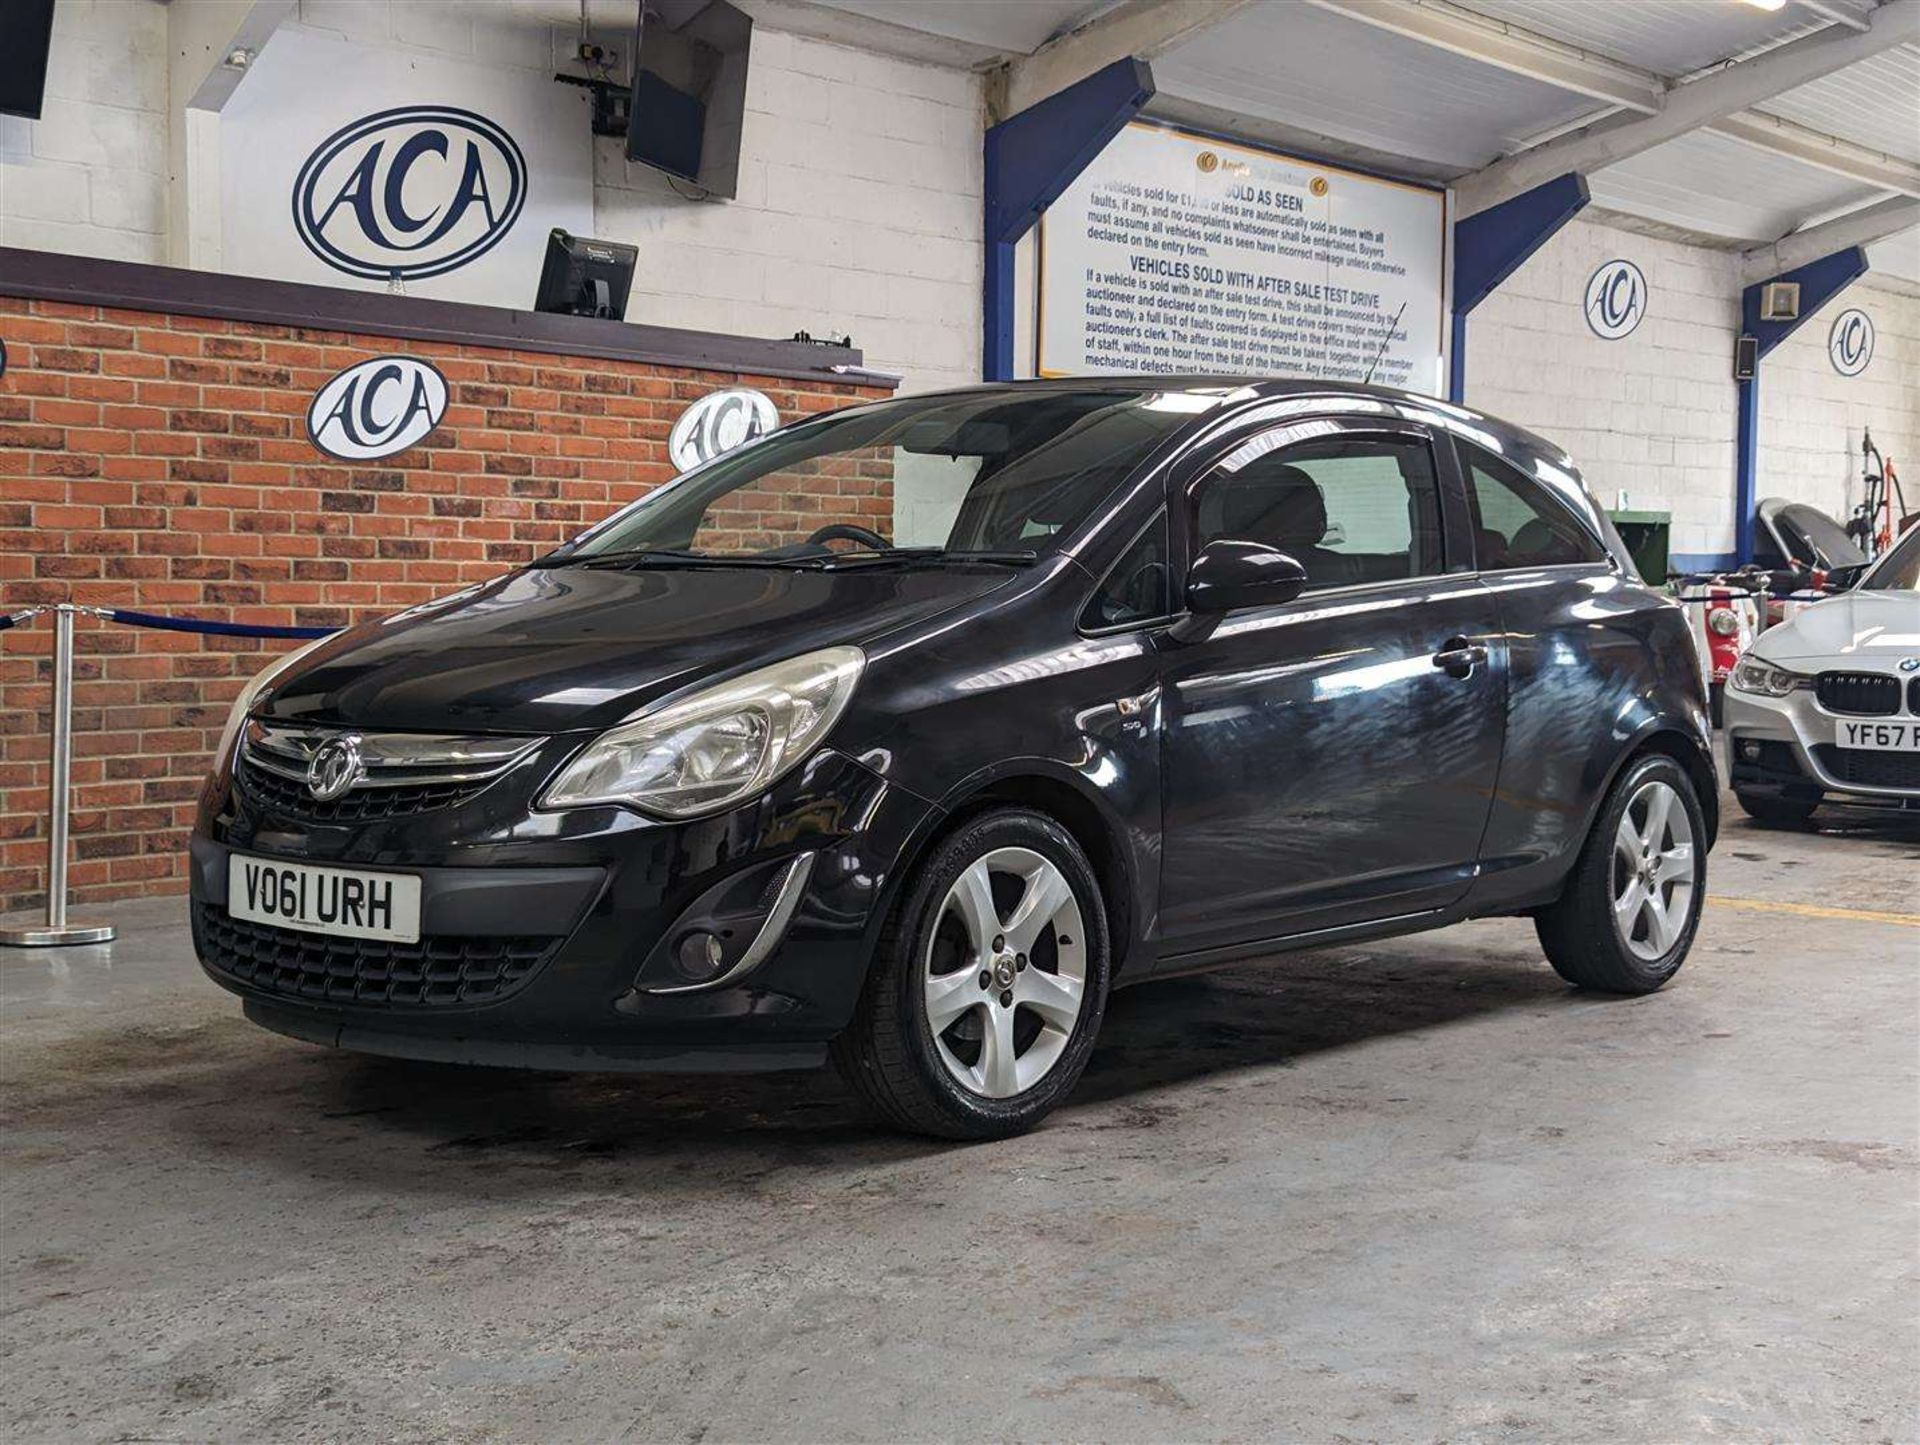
(1820, 281)
(1031, 159)
(1491, 245)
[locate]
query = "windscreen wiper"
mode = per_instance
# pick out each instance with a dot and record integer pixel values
(656, 557)
(868, 556)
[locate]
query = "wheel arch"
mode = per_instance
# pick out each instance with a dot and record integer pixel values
(1064, 796)
(1694, 757)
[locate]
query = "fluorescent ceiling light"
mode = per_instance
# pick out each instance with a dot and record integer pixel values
(1767, 4)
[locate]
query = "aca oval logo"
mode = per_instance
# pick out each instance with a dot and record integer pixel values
(717, 423)
(412, 192)
(377, 408)
(1850, 342)
(1616, 299)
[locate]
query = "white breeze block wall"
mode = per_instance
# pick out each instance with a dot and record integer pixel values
(1652, 414)
(1811, 416)
(90, 176)
(860, 191)
(858, 213)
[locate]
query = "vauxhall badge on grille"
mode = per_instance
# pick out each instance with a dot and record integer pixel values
(335, 767)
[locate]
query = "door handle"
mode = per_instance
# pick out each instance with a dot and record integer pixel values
(1458, 657)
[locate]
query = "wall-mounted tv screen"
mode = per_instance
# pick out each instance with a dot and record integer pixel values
(23, 56)
(690, 91)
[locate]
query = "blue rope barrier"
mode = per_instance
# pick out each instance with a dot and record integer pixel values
(209, 625)
(14, 619)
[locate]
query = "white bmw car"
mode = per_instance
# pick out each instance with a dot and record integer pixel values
(1827, 705)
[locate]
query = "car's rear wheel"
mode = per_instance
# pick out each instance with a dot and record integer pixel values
(988, 986)
(1776, 810)
(1631, 905)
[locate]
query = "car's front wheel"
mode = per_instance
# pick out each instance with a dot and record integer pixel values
(1631, 905)
(988, 986)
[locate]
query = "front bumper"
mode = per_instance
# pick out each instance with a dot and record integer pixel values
(545, 937)
(1787, 746)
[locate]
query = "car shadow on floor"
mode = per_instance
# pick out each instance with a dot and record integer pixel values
(441, 1125)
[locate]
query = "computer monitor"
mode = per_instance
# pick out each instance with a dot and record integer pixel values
(584, 277)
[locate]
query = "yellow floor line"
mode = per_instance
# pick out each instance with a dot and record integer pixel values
(1814, 910)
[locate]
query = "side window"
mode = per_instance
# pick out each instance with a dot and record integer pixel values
(1515, 523)
(1350, 509)
(1137, 587)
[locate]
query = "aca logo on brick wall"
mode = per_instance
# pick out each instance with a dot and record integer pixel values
(377, 408)
(1850, 342)
(412, 192)
(1616, 299)
(717, 423)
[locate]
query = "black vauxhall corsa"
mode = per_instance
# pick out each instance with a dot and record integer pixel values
(907, 732)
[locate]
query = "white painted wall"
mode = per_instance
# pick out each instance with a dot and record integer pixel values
(860, 191)
(858, 213)
(1811, 417)
(1652, 414)
(89, 176)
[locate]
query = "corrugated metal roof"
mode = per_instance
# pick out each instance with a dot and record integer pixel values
(1323, 72)
(1667, 37)
(1717, 186)
(1016, 26)
(1874, 103)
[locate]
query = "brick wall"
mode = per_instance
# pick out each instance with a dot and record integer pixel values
(162, 463)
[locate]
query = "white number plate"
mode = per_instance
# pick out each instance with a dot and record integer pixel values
(348, 902)
(1879, 737)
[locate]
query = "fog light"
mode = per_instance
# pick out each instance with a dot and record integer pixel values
(700, 956)
(1750, 750)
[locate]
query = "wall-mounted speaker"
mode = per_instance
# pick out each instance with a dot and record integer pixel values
(1780, 301)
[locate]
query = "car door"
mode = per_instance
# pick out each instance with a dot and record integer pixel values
(1329, 761)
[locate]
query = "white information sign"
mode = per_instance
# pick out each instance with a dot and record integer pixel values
(346, 165)
(1174, 252)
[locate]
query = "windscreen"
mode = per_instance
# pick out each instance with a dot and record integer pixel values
(992, 472)
(1899, 570)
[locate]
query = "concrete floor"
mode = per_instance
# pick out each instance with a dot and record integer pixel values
(1405, 1191)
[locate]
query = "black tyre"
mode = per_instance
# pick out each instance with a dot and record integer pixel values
(1717, 704)
(1776, 810)
(1631, 905)
(988, 986)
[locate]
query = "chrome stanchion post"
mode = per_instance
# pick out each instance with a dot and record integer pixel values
(58, 931)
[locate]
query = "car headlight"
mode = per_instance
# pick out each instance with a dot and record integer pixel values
(243, 704)
(717, 747)
(1764, 679)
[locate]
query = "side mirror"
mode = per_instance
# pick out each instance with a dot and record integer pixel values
(1842, 579)
(1229, 575)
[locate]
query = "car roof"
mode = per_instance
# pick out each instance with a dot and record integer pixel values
(1249, 390)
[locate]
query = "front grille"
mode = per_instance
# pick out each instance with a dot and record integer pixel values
(1872, 769)
(284, 795)
(1864, 694)
(440, 971)
(1913, 697)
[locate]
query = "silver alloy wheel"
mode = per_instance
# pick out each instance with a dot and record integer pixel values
(1026, 968)
(1653, 871)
